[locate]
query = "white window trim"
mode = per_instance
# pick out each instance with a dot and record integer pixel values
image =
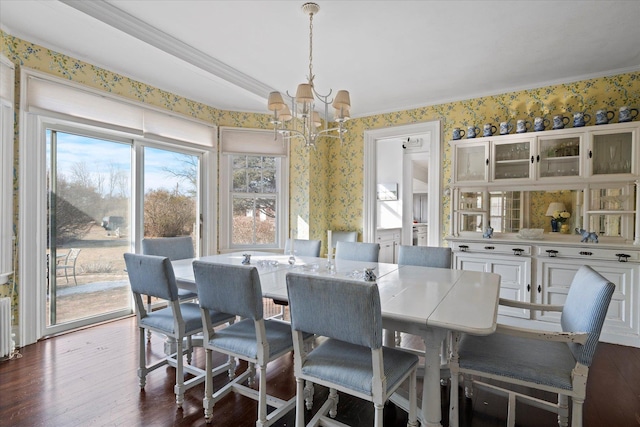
(225, 193)
(7, 98)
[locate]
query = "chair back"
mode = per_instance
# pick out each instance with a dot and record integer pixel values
(425, 256)
(358, 251)
(231, 289)
(173, 248)
(72, 256)
(345, 310)
(585, 310)
(151, 275)
(343, 236)
(303, 247)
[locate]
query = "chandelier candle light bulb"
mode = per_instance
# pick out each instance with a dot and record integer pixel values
(309, 125)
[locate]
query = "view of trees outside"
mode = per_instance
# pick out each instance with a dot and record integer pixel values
(170, 212)
(254, 192)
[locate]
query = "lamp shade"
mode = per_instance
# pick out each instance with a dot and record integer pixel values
(275, 102)
(555, 206)
(342, 115)
(316, 119)
(342, 100)
(304, 93)
(285, 114)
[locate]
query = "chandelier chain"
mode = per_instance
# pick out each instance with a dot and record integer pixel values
(311, 49)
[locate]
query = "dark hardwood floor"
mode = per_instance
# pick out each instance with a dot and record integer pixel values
(88, 378)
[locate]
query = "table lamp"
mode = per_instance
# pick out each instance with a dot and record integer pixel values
(553, 207)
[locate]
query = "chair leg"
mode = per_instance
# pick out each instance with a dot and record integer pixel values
(232, 367)
(142, 359)
(179, 387)
(378, 414)
(333, 396)
(208, 402)
(308, 395)
(189, 349)
(262, 397)
(301, 397)
(74, 276)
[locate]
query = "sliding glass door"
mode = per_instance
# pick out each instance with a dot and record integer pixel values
(89, 209)
(98, 209)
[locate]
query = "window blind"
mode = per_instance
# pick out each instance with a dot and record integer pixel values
(252, 141)
(49, 94)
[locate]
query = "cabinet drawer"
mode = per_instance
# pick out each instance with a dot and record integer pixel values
(491, 247)
(589, 253)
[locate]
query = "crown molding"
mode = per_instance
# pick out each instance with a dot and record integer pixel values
(116, 18)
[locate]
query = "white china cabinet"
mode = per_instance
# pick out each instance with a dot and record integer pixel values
(498, 180)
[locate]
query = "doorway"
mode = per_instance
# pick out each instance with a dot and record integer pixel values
(431, 134)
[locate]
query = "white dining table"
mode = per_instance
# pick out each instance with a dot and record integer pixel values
(423, 301)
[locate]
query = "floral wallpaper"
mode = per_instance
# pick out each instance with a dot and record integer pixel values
(326, 190)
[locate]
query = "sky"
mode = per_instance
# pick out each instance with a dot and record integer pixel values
(100, 157)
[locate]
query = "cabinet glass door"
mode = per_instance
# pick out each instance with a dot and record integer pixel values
(511, 160)
(471, 162)
(611, 153)
(559, 156)
(611, 211)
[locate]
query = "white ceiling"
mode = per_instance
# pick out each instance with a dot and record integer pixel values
(390, 55)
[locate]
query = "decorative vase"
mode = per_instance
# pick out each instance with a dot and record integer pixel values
(564, 228)
(554, 225)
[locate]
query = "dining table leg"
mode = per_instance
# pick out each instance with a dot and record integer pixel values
(431, 405)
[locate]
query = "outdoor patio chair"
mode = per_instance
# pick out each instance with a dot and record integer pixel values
(69, 264)
(556, 362)
(153, 275)
(350, 357)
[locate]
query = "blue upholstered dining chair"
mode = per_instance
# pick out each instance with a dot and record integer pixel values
(357, 251)
(350, 357)
(556, 362)
(343, 236)
(153, 275)
(301, 247)
(424, 256)
(174, 248)
(236, 290)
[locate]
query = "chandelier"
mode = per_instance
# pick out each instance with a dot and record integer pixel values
(302, 120)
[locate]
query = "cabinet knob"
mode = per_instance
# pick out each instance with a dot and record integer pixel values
(487, 162)
(590, 154)
(552, 253)
(539, 289)
(528, 287)
(463, 248)
(623, 257)
(531, 159)
(538, 158)
(489, 248)
(517, 251)
(586, 253)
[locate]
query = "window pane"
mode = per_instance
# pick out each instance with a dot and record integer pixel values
(239, 184)
(254, 221)
(254, 177)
